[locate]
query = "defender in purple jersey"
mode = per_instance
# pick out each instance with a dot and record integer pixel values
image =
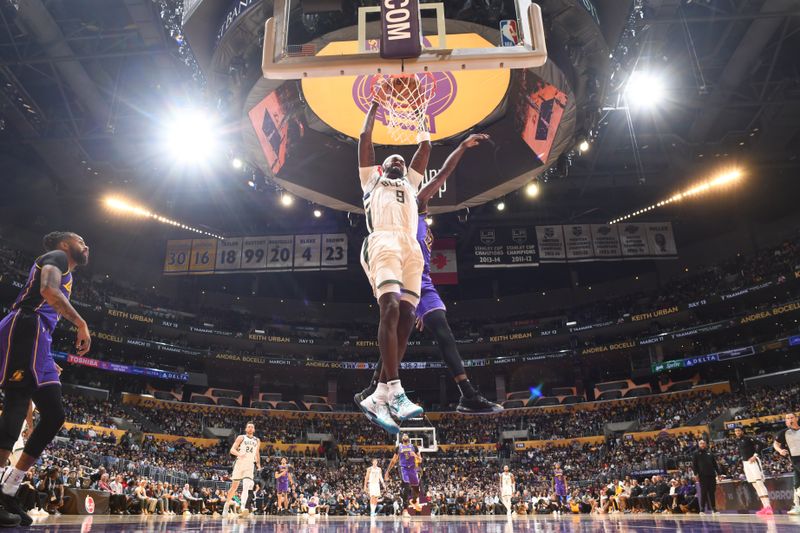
(27, 369)
(409, 459)
(559, 484)
(283, 478)
(431, 311)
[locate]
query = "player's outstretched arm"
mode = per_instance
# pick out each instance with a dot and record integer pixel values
(420, 160)
(51, 292)
(393, 462)
(449, 166)
(366, 152)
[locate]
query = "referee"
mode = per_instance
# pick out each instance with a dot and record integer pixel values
(787, 443)
(751, 464)
(706, 469)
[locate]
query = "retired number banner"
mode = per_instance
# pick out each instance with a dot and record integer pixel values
(270, 253)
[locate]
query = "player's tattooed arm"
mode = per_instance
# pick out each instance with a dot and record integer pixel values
(366, 151)
(51, 292)
(447, 169)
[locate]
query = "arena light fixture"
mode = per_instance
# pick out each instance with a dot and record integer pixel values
(237, 163)
(125, 207)
(317, 213)
(644, 90)
(191, 136)
(287, 199)
(584, 146)
(723, 179)
(532, 189)
(501, 206)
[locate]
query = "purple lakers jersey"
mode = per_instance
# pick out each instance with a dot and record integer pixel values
(425, 240)
(30, 299)
(407, 454)
(283, 481)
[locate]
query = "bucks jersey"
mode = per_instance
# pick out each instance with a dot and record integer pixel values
(390, 204)
(248, 449)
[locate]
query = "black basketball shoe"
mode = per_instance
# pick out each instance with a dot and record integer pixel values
(360, 396)
(477, 405)
(11, 513)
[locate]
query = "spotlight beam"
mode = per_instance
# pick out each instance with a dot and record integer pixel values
(123, 206)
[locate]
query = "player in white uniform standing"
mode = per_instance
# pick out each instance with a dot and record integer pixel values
(246, 449)
(393, 262)
(507, 483)
(373, 482)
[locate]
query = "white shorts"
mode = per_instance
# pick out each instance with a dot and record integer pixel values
(242, 470)
(393, 262)
(752, 471)
(374, 490)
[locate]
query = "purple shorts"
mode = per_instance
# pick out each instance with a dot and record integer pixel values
(410, 476)
(25, 358)
(429, 299)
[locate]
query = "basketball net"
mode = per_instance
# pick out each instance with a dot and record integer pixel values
(404, 99)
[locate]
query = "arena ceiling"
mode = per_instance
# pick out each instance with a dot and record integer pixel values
(86, 84)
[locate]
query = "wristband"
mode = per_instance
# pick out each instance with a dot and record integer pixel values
(423, 136)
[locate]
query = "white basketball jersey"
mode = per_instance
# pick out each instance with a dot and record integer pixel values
(374, 476)
(506, 481)
(248, 449)
(390, 204)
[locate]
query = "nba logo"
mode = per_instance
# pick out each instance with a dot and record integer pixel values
(508, 33)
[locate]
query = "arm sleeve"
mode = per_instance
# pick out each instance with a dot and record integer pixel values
(367, 175)
(414, 177)
(57, 258)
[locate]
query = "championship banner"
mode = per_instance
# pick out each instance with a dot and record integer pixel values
(578, 240)
(506, 247)
(551, 244)
(605, 239)
(633, 239)
(272, 253)
(444, 267)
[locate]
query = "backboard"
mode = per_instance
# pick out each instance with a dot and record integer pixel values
(305, 39)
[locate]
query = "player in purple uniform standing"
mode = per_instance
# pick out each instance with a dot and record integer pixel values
(283, 477)
(431, 311)
(27, 369)
(560, 485)
(409, 459)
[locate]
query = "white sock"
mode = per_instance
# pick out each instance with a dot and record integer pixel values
(12, 478)
(381, 391)
(797, 497)
(395, 387)
(372, 508)
(246, 486)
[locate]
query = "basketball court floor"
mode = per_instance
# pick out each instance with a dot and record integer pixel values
(450, 524)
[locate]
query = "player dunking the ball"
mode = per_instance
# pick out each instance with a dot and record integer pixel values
(431, 312)
(393, 263)
(27, 369)
(373, 481)
(283, 478)
(246, 449)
